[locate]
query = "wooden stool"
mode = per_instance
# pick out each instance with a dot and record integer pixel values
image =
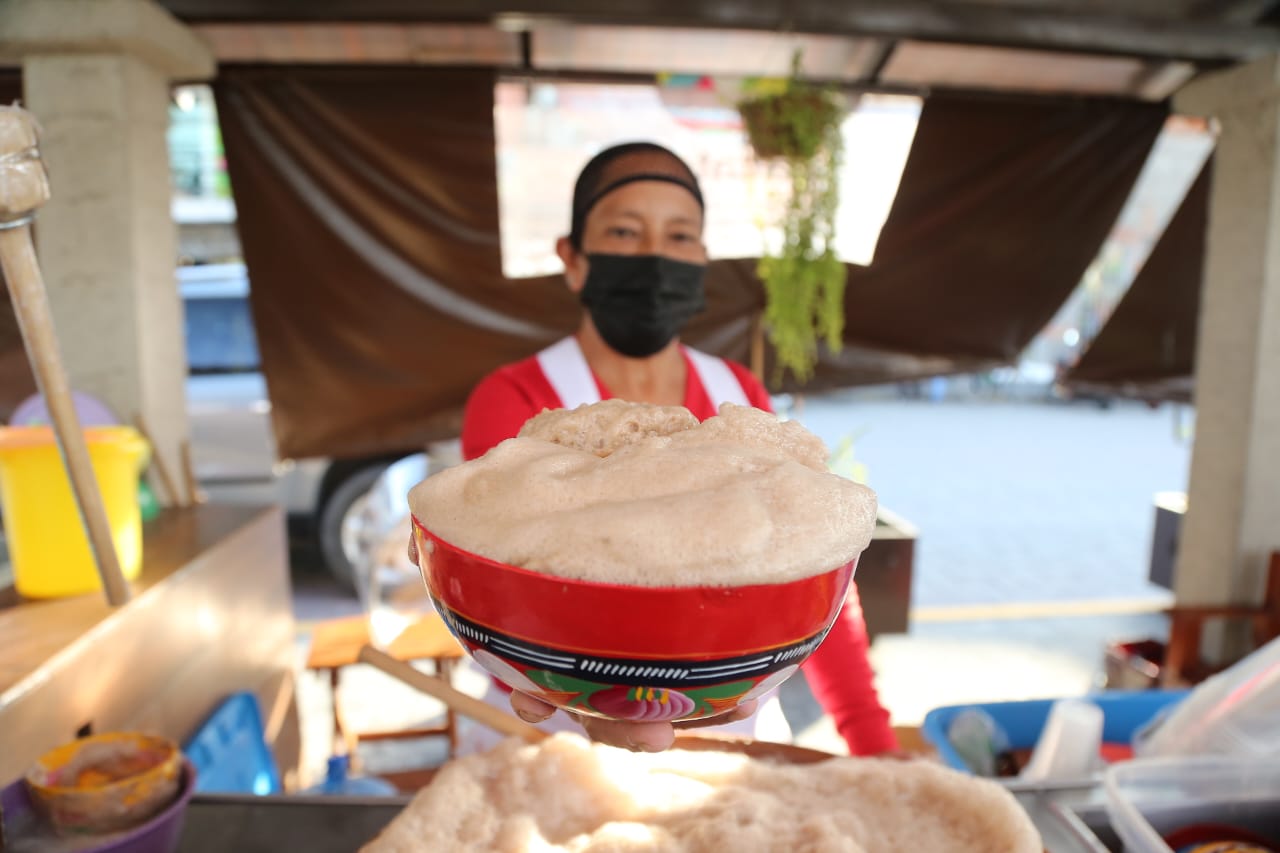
(336, 644)
(911, 740)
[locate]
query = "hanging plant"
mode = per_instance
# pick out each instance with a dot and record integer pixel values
(798, 124)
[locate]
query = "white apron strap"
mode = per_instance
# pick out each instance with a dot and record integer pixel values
(566, 369)
(720, 383)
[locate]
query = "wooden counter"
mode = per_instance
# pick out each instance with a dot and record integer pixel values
(211, 615)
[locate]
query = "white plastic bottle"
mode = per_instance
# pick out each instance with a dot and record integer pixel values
(1069, 746)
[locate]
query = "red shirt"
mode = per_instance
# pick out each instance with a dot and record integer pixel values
(839, 673)
(509, 396)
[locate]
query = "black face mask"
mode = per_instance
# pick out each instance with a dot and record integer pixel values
(640, 302)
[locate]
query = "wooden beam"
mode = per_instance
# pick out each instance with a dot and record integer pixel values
(884, 52)
(1190, 38)
(1232, 11)
(1202, 41)
(1162, 79)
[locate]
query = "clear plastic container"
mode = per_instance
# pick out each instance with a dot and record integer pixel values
(1069, 746)
(374, 537)
(1147, 799)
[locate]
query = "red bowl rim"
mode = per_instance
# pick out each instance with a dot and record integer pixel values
(578, 582)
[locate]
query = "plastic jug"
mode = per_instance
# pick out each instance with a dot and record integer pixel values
(980, 741)
(390, 587)
(338, 783)
(47, 542)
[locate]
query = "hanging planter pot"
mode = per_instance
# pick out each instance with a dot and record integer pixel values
(800, 125)
(790, 125)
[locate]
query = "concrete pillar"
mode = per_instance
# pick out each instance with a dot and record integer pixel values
(1233, 517)
(97, 76)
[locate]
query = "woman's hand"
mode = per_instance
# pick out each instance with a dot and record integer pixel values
(637, 737)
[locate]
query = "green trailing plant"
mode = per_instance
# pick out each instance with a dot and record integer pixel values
(798, 124)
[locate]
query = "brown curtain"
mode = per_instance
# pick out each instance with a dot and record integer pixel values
(1002, 206)
(368, 214)
(1147, 347)
(16, 381)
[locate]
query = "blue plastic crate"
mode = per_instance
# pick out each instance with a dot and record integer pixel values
(1124, 712)
(230, 751)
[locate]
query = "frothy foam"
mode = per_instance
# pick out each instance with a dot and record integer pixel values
(567, 795)
(644, 495)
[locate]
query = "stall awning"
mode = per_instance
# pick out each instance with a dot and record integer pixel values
(1147, 348)
(368, 215)
(368, 218)
(1003, 205)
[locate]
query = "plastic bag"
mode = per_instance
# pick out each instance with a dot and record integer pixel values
(1234, 713)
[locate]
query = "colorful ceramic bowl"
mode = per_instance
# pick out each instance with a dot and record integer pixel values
(627, 652)
(106, 782)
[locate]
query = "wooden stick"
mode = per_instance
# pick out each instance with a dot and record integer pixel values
(194, 495)
(31, 306)
(24, 187)
(157, 459)
(481, 712)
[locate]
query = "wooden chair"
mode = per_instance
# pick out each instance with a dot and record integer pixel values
(1182, 663)
(336, 644)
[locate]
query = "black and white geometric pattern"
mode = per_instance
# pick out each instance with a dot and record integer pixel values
(628, 671)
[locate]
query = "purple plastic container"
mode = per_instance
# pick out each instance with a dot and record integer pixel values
(158, 835)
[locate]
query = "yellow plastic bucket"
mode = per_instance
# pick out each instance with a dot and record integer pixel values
(47, 543)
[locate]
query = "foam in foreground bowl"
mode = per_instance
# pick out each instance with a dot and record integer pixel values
(568, 795)
(645, 495)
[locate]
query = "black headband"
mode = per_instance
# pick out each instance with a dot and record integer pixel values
(580, 212)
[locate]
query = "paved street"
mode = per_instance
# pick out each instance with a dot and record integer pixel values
(1016, 502)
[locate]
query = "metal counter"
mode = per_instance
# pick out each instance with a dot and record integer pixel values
(218, 823)
(1070, 819)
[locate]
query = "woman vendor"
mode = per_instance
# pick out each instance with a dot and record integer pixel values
(635, 257)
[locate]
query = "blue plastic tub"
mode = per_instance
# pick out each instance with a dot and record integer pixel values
(230, 751)
(1124, 712)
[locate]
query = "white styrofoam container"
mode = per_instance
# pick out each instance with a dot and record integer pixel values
(1148, 798)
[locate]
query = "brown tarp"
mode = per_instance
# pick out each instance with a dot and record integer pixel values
(16, 380)
(1002, 206)
(1147, 347)
(368, 215)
